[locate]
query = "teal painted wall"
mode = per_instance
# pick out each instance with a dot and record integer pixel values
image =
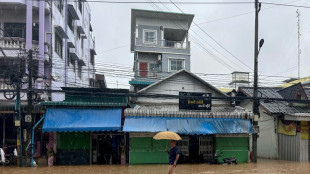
(146, 150)
(237, 147)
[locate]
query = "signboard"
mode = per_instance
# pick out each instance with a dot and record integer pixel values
(289, 129)
(195, 101)
(304, 130)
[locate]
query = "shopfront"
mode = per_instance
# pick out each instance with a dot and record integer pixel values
(201, 138)
(85, 136)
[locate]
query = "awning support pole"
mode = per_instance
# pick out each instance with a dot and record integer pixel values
(32, 138)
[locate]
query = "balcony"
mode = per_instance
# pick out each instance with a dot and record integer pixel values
(14, 43)
(168, 46)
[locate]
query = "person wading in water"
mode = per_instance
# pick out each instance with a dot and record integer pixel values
(173, 156)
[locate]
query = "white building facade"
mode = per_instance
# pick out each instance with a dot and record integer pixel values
(60, 34)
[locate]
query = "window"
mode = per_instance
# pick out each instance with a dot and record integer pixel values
(58, 45)
(15, 30)
(68, 57)
(92, 58)
(153, 67)
(80, 6)
(35, 32)
(71, 22)
(80, 72)
(73, 64)
(150, 36)
(176, 64)
(59, 5)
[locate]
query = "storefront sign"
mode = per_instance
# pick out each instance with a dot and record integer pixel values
(195, 101)
(304, 130)
(289, 129)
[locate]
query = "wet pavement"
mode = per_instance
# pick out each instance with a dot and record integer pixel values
(263, 166)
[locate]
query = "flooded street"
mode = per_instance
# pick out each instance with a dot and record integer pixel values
(263, 166)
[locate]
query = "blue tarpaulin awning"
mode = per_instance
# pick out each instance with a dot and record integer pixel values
(69, 120)
(188, 126)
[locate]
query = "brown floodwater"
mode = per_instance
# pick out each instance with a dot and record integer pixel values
(262, 166)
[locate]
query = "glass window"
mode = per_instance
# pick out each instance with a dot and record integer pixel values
(80, 72)
(15, 30)
(149, 36)
(153, 67)
(58, 45)
(71, 22)
(92, 58)
(59, 5)
(176, 64)
(19, 30)
(80, 6)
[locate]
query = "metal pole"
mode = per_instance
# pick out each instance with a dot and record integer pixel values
(255, 89)
(32, 138)
(3, 130)
(20, 120)
(30, 70)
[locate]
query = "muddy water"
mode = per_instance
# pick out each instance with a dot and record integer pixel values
(263, 166)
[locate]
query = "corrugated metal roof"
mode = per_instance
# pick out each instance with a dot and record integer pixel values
(173, 111)
(295, 82)
(81, 104)
(274, 106)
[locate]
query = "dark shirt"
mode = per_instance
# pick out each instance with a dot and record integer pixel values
(173, 154)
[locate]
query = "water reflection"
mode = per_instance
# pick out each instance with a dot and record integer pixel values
(263, 166)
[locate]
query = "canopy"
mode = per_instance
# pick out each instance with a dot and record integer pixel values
(63, 120)
(188, 126)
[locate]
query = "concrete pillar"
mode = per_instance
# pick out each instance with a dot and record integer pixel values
(41, 37)
(29, 25)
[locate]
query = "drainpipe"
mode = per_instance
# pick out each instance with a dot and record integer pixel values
(29, 25)
(32, 138)
(41, 38)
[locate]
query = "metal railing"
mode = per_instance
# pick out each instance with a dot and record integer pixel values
(164, 44)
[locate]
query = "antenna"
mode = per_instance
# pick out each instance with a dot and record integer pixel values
(299, 51)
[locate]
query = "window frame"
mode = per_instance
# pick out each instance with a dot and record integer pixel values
(59, 5)
(58, 45)
(147, 42)
(176, 59)
(80, 69)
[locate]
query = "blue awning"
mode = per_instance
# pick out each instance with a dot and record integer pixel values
(68, 120)
(188, 126)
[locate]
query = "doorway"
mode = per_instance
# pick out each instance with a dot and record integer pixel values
(107, 149)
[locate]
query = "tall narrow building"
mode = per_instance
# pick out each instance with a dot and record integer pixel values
(159, 41)
(60, 35)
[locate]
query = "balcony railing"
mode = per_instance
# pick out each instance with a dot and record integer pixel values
(164, 44)
(16, 43)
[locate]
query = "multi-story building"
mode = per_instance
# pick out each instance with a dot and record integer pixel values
(60, 34)
(159, 41)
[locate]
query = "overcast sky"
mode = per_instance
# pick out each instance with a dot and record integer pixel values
(230, 25)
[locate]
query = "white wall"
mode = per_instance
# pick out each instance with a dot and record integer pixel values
(179, 83)
(267, 142)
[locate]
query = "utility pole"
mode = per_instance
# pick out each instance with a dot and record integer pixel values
(255, 89)
(18, 112)
(30, 75)
(299, 51)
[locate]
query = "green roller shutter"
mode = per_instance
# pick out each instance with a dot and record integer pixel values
(73, 140)
(237, 147)
(146, 150)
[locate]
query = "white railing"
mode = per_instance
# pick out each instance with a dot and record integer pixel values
(16, 43)
(164, 44)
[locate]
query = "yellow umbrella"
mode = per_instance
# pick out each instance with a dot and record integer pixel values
(167, 135)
